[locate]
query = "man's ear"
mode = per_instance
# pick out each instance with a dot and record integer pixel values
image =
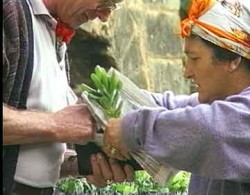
(234, 64)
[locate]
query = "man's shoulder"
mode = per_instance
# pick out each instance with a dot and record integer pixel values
(15, 7)
(15, 15)
(7, 4)
(12, 9)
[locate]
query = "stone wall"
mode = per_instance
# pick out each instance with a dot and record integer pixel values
(145, 43)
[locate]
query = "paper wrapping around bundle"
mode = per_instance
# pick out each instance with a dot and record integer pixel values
(133, 98)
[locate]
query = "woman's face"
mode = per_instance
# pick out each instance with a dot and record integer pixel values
(76, 12)
(210, 76)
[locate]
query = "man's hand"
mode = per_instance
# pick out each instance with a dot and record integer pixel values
(106, 172)
(74, 124)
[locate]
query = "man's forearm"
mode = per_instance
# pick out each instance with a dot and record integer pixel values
(23, 127)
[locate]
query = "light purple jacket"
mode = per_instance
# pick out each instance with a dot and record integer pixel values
(212, 141)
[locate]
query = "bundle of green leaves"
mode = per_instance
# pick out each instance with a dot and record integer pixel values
(105, 93)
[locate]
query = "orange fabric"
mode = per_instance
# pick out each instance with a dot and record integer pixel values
(223, 34)
(197, 8)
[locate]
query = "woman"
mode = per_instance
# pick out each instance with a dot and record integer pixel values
(206, 133)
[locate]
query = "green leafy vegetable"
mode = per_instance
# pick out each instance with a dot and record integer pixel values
(105, 93)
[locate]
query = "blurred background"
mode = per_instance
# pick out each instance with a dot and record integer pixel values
(142, 40)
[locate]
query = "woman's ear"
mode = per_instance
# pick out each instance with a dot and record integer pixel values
(234, 64)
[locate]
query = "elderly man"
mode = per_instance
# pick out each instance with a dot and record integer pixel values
(39, 114)
(206, 133)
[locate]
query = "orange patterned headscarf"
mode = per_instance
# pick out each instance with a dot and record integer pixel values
(225, 23)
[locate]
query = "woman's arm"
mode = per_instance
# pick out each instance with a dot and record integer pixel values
(171, 101)
(209, 140)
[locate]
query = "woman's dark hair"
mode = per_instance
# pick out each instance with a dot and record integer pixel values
(222, 54)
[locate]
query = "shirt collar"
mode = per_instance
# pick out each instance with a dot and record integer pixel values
(39, 9)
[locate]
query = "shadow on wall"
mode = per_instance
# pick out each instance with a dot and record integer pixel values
(85, 52)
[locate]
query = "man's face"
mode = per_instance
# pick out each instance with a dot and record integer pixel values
(210, 76)
(76, 12)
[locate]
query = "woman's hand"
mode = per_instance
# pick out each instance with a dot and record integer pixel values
(114, 146)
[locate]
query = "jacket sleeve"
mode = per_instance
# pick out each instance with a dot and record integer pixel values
(5, 63)
(209, 140)
(171, 101)
(11, 46)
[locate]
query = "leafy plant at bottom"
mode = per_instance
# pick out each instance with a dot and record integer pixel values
(179, 183)
(143, 184)
(72, 185)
